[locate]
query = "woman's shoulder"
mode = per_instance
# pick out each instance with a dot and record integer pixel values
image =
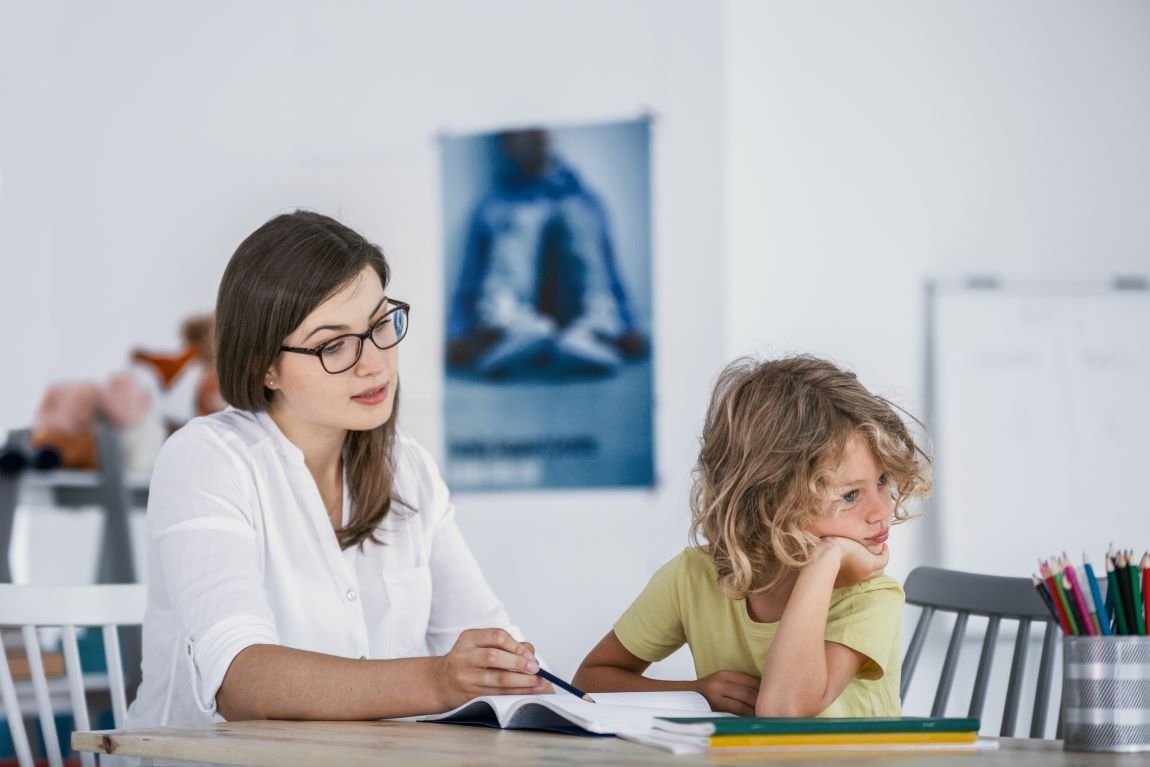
(234, 436)
(417, 481)
(412, 458)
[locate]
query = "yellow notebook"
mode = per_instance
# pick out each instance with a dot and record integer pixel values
(840, 739)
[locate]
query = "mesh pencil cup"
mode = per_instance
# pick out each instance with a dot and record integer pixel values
(1106, 693)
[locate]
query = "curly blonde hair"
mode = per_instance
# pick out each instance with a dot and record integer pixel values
(775, 430)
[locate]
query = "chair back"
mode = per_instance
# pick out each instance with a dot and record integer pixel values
(997, 598)
(66, 608)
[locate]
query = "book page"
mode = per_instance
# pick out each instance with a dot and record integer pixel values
(610, 714)
(681, 700)
(488, 709)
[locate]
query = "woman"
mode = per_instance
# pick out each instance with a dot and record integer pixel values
(304, 561)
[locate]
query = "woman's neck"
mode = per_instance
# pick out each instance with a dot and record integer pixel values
(322, 447)
(768, 606)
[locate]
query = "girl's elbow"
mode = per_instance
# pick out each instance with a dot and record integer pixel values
(783, 704)
(792, 710)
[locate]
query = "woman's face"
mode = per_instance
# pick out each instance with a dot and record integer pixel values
(310, 401)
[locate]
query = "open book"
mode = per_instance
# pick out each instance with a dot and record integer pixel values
(611, 713)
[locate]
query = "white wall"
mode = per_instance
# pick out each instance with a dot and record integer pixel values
(814, 161)
(871, 145)
(140, 142)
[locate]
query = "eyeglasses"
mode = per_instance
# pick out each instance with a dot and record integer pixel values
(340, 354)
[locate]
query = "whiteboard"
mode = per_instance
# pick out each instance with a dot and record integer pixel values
(1040, 413)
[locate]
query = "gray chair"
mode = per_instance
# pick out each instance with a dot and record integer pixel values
(997, 598)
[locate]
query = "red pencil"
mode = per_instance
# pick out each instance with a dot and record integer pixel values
(1063, 620)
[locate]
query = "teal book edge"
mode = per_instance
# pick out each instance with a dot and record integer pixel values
(751, 725)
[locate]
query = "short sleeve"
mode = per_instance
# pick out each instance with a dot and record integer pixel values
(652, 627)
(866, 618)
(200, 523)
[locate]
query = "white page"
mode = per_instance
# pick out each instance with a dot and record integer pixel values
(612, 712)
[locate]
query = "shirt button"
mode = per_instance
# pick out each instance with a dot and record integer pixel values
(350, 595)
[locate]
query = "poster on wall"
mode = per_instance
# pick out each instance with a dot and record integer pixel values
(549, 379)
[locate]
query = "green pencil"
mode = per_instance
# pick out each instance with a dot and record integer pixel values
(1136, 595)
(1116, 598)
(1064, 598)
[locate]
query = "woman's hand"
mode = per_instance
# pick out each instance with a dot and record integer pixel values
(857, 563)
(487, 662)
(731, 691)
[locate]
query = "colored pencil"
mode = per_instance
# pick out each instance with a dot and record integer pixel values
(1115, 593)
(1057, 597)
(1088, 596)
(1076, 593)
(1079, 622)
(1040, 587)
(1096, 596)
(1075, 620)
(1145, 564)
(1136, 593)
(565, 685)
(1121, 569)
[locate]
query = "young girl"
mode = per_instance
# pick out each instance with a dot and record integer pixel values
(785, 607)
(304, 561)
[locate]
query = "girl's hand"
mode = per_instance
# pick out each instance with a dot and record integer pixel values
(731, 691)
(857, 562)
(487, 662)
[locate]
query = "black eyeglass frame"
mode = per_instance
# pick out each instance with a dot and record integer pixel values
(366, 335)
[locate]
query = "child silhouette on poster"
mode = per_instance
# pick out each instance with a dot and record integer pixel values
(539, 294)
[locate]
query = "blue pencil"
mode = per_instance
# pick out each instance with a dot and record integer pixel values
(1099, 603)
(565, 685)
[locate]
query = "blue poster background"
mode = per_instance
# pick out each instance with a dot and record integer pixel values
(548, 294)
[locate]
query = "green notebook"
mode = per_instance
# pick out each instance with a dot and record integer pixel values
(748, 725)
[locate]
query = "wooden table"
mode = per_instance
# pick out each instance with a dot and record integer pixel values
(405, 743)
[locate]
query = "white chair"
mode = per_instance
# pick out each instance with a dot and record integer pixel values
(66, 607)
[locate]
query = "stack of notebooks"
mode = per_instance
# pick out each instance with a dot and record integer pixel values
(683, 723)
(748, 733)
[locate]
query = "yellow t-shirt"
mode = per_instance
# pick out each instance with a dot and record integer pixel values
(684, 604)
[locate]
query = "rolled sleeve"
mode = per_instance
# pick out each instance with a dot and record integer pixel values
(200, 523)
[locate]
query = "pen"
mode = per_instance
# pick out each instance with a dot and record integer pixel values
(565, 685)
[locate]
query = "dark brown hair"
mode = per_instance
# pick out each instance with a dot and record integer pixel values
(774, 433)
(277, 276)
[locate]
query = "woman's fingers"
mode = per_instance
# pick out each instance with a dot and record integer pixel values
(494, 660)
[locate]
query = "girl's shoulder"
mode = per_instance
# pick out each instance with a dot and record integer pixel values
(882, 588)
(693, 568)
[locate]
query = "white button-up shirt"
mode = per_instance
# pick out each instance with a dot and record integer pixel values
(242, 552)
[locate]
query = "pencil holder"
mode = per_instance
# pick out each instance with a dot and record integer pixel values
(1106, 693)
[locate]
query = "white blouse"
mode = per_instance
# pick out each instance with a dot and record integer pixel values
(242, 552)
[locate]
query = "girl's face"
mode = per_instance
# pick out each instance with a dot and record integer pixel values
(864, 508)
(309, 401)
